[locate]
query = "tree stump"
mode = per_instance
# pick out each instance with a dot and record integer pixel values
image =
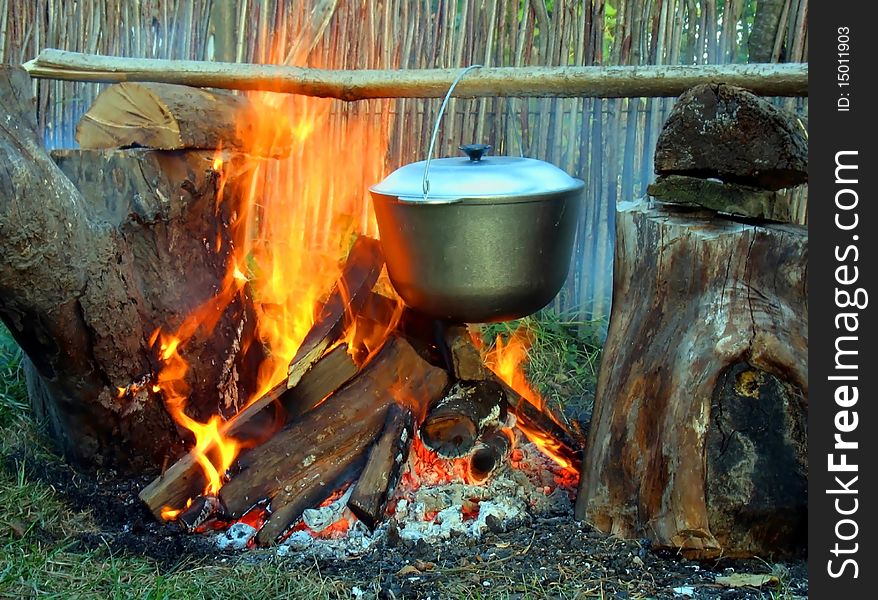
(698, 440)
(90, 273)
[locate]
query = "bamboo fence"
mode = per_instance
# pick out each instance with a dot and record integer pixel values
(607, 142)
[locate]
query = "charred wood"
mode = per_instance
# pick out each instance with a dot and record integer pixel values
(455, 423)
(384, 467)
(185, 478)
(491, 451)
(198, 513)
(310, 454)
(364, 264)
(466, 360)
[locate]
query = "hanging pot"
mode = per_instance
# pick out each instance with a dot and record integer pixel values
(477, 238)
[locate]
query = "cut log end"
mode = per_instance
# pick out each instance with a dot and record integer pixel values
(455, 423)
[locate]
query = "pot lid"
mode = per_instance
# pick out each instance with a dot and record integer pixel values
(476, 176)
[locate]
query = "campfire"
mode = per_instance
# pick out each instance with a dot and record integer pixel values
(371, 384)
(359, 401)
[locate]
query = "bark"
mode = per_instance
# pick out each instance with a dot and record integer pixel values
(566, 446)
(254, 424)
(729, 198)
(760, 44)
(86, 280)
(384, 467)
(674, 453)
(730, 134)
(599, 82)
(173, 117)
(455, 423)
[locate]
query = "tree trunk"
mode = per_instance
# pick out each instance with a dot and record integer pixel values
(88, 276)
(765, 24)
(698, 438)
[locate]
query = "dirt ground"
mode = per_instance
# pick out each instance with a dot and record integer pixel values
(548, 556)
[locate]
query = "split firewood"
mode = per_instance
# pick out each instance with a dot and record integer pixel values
(466, 360)
(789, 79)
(174, 117)
(491, 451)
(384, 467)
(358, 277)
(536, 423)
(185, 478)
(321, 446)
(455, 423)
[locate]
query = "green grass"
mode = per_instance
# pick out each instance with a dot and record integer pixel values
(563, 359)
(41, 557)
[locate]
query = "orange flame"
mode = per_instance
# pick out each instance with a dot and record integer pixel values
(508, 360)
(300, 198)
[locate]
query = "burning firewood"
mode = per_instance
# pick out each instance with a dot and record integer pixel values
(198, 513)
(537, 425)
(303, 463)
(491, 451)
(172, 117)
(185, 479)
(361, 271)
(455, 423)
(384, 467)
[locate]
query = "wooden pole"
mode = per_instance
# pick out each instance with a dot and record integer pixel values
(788, 79)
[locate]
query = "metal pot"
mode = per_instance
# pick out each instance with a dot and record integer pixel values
(475, 239)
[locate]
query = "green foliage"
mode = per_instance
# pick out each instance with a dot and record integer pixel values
(563, 359)
(13, 392)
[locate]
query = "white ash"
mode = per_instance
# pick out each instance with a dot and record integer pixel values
(235, 537)
(426, 506)
(318, 519)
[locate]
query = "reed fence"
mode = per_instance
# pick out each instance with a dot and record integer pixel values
(607, 142)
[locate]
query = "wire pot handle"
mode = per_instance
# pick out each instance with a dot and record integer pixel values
(426, 182)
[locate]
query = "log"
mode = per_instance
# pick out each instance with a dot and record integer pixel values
(466, 360)
(729, 133)
(364, 263)
(83, 285)
(384, 467)
(313, 453)
(175, 117)
(491, 452)
(258, 420)
(698, 437)
(198, 513)
(789, 79)
(455, 423)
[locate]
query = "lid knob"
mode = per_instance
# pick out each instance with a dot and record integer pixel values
(475, 151)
